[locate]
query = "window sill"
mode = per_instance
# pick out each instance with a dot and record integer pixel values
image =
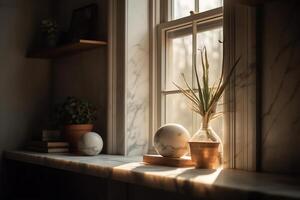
(218, 184)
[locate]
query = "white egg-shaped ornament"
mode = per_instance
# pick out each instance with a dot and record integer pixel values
(171, 140)
(90, 144)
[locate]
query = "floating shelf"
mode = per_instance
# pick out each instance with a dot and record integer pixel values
(68, 49)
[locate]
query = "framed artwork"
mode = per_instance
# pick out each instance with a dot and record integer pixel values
(84, 23)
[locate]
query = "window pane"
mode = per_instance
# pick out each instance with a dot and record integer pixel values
(205, 5)
(210, 39)
(182, 8)
(178, 111)
(217, 124)
(179, 58)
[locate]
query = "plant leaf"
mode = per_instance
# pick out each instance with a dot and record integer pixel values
(190, 96)
(199, 88)
(220, 90)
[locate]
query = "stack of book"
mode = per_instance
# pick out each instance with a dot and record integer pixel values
(49, 142)
(49, 136)
(48, 147)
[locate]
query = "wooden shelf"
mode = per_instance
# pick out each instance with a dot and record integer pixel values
(68, 49)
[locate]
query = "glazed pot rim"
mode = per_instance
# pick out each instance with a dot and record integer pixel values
(78, 126)
(196, 145)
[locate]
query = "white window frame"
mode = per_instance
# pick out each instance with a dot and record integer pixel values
(241, 149)
(212, 18)
(208, 18)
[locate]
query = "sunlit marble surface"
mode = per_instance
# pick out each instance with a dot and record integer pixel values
(137, 78)
(209, 184)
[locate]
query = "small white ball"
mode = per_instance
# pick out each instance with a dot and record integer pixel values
(171, 140)
(90, 144)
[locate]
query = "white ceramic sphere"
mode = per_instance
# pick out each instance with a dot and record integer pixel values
(90, 144)
(171, 140)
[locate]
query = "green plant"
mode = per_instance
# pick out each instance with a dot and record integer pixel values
(50, 32)
(75, 111)
(205, 102)
(49, 27)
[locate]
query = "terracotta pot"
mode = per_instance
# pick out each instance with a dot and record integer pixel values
(205, 155)
(73, 133)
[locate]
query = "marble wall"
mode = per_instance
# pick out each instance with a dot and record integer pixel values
(281, 87)
(137, 78)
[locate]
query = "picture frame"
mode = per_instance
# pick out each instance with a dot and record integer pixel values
(84, 23)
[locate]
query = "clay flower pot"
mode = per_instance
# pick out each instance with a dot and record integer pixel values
(74, 132)
(205, 155)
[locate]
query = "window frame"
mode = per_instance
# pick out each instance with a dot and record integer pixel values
(208, 18)
(242, 147)
(214, 20)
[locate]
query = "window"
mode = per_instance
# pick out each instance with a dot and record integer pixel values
(169, 41)
(175, 58)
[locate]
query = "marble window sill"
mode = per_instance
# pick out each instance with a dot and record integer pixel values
(210, 184)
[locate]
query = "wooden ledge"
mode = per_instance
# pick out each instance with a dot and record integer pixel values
(67, 49)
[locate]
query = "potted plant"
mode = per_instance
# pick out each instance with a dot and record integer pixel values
(77, 117)
(206, 146)
(50, 32)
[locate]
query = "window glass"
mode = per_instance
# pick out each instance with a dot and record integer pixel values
(178, 111)
(182, 8)
(178, 58)
(205, 5)
(210, 39)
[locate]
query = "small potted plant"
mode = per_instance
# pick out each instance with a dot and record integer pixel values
(206, 146)
(77, 117)
(50, 32)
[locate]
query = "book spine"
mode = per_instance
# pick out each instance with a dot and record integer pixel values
(45, 150)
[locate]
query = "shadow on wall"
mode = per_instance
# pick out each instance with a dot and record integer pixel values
(83, 75)
(24, 83)
(280, 87)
